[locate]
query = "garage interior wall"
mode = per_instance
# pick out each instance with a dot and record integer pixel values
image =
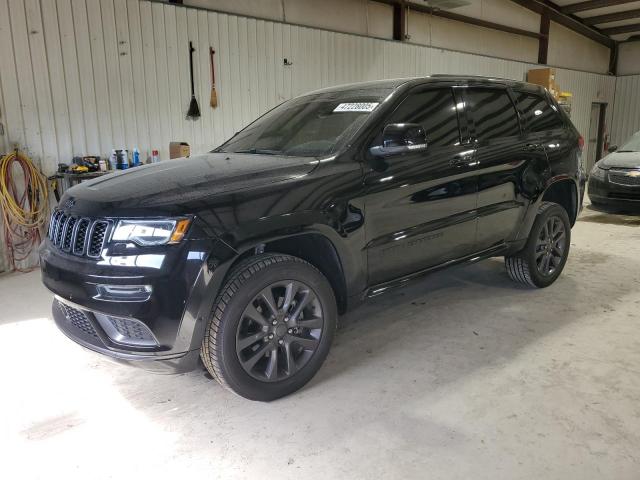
(573, 50)
(626, 110)
(629, 58)
(106, 74)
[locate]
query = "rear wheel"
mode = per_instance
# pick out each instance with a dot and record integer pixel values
(271, 327)
(544, 256)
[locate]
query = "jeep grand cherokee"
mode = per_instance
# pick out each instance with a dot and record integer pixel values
(246, 255)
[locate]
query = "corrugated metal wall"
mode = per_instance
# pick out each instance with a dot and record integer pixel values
(626, 110)
(86, 76)
(81, 77)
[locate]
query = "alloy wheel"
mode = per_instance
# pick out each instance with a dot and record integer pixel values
(279, 331)
(550, 246)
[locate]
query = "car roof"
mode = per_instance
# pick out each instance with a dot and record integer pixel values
(395, 83)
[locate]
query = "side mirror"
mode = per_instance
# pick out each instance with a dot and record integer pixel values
(398, 138)
(612, 148)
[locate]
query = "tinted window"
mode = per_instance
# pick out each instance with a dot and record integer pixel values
(538, 113)
(436, 111)
(493, 113)
(313, 125)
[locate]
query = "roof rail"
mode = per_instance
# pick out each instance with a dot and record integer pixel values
(481, 77)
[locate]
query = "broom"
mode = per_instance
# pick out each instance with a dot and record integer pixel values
(194, 109)
(214, 96)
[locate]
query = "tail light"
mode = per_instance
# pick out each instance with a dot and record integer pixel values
(581, 143)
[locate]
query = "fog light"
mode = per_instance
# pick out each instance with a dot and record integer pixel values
(123, 293)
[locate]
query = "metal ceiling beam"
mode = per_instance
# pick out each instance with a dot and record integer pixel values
(592, 5)
(569, 21)
(400, 21)
(543, 44)
(622, 29)
(612, 17)
(459, 18)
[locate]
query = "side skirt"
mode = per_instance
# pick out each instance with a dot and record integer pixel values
(384, 287)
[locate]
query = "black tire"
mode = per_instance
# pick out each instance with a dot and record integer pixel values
(524, 267)
(220, 347)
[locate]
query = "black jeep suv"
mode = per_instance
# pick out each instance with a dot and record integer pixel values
(246, 255)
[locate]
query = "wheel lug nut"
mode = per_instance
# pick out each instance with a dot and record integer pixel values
(280, 341)
(270, 336)
(275, 322)
(290, 330)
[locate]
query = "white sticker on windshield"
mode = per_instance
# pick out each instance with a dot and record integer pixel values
(356, 107)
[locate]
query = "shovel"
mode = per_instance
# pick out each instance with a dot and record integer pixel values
(194, 109)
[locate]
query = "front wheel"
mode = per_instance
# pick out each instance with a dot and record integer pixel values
(271, 327)
(545, 254)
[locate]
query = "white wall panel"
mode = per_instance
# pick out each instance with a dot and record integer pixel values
(115, 73)
(629, 58)
(573, 50)
(626, 112)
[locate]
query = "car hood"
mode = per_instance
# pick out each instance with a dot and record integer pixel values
(170, 186)
(622, 160)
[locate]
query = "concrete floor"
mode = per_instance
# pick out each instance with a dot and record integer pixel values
(462, 375)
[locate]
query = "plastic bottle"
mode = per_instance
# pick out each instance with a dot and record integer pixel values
(113, 160)
(122, 162)
(155, 157)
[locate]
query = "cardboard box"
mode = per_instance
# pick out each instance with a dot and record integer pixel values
(545, 77)
(179, 149)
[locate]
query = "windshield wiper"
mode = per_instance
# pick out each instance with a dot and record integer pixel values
(258, 151)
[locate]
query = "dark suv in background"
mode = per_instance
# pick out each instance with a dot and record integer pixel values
(246, 255)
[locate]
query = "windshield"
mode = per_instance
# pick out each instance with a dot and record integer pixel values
(632, 145)
(309, 126)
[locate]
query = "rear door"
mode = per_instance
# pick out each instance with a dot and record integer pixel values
(504, 156)
(545, 125)
(420, 206)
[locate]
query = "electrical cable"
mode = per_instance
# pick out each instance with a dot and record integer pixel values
(24, 205)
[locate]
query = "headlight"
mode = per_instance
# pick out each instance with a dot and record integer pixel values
(151, 232)
(597, 172)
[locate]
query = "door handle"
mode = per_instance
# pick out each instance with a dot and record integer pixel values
(460, 161)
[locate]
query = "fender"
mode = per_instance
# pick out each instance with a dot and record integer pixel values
(532, 211)
(222, 258)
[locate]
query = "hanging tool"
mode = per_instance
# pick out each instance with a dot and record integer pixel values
(214, 96)
(23, 205)
(194, 109)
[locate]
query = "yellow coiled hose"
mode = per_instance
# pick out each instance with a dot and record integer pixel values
(24, 204)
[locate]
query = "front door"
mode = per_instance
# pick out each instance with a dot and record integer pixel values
(420, 207)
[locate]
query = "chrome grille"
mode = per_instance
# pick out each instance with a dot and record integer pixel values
(98, 233)
(81, 236)
(62, 220)
(77, 235)
(78, 319)
(625, 177)
(68, 233)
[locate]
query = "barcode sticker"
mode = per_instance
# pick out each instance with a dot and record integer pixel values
(356, 107)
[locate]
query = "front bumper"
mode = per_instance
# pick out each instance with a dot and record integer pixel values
(612, 195)
(81, 326)
(172, 316)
